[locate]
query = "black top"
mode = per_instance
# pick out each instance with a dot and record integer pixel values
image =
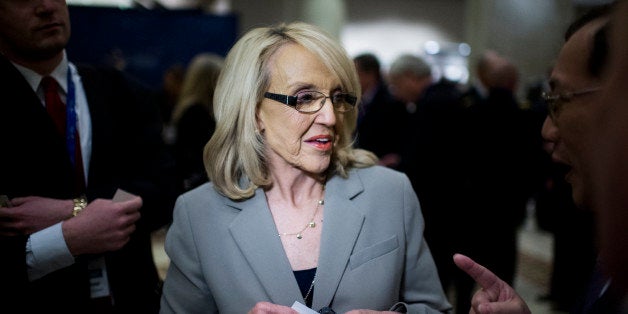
(304, 279)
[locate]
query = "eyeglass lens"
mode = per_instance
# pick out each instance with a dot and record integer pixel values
(310, 101)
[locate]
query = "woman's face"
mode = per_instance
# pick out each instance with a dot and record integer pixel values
(296, 140)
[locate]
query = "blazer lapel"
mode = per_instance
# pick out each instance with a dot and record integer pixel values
(255, 233)
(341, 227)
(100, 113)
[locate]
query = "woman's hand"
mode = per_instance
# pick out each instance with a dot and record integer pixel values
(496, 296)
(270, 308)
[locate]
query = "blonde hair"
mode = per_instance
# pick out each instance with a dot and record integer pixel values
(235, 155)
(199, 83)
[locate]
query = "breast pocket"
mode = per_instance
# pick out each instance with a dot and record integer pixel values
(372, 252)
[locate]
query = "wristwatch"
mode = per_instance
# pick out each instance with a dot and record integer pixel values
(79, 204)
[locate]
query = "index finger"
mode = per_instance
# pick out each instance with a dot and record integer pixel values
(484, 277)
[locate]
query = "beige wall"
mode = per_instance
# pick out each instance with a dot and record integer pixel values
(527, 31)
(329, 14)
(446, 15)
(530, 32)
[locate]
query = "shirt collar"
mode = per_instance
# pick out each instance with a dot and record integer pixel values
(60, 73)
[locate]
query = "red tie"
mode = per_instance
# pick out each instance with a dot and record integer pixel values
(54, 105)
(56, 109)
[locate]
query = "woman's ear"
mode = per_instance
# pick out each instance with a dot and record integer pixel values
(259, 124)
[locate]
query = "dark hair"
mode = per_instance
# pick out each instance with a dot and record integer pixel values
(592, 14)
(598, 59)
(369, 63)
(599, 54)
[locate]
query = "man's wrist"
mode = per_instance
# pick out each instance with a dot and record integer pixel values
(78, 204)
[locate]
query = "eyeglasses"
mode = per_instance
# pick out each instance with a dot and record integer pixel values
(310, 101)
(555, 101)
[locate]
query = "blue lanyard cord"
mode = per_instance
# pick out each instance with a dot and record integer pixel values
(71, 120)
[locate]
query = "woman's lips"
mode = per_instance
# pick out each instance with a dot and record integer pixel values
(323, 142)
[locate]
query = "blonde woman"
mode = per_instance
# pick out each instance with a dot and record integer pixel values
(292, 212)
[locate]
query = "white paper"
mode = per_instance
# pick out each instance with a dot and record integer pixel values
(302, 308)
(122, 196)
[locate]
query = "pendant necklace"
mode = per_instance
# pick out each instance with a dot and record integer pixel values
(310, 224)
(307, 295)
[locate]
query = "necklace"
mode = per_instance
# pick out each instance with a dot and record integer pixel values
(307, 295)
(310, 224)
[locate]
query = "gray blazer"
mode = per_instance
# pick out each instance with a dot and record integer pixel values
(226, 255)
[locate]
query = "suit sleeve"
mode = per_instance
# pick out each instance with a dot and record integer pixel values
(184, 290)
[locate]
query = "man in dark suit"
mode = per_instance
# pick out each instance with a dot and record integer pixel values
(577, 85)
(381, 118)
(433, 159)
(66, 244)
(610, 158)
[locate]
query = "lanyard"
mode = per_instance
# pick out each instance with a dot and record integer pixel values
(71, 120)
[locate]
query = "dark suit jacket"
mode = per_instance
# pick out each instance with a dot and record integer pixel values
(194, 129)
(127, 153)
(381, 124)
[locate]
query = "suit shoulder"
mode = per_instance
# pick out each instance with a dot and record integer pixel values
(204, 193)
(380, 175)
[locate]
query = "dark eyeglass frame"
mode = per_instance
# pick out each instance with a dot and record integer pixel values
(556, 100)
(291, 100)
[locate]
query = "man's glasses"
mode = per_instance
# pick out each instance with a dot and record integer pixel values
(555, 101)
(310, 101)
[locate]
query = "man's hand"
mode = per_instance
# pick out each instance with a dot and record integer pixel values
(102, 226)
(31, 214)
(495, 295)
